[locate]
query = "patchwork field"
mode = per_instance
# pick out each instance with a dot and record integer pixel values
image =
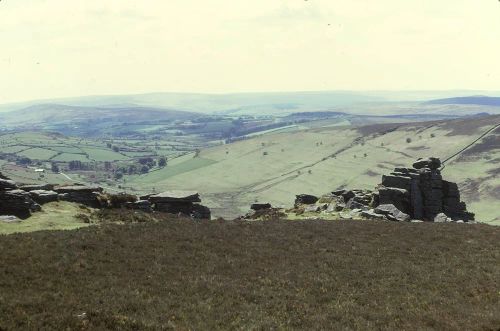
(274, 165)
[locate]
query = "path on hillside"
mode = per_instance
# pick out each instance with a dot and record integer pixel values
(486, 133)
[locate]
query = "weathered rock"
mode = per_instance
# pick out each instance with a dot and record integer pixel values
(9, 219)
(348, 195)
(442, 218)
(175, 196)
(352, 204)
(86, 195)
(430, 163)
(260, 206)
(400, 182)
(17, 203)
(77, 188)
(392, 213)
(143, 205)
(398, 197)
(180, 202)
(345, 215)
(7, 184)
(371, 214)
(335, 207)
(305, 199)
(202, 212)
(312, 209)
(42, 196)
(36, 187)
(339, 192)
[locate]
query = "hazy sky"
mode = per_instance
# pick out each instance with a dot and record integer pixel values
(57, 48)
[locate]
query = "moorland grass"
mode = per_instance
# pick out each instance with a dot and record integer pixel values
(220, 275)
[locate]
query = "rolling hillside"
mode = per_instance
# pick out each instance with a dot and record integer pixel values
(480, 100)
(275, 167)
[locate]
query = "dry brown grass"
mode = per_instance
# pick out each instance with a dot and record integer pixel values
(179, 274)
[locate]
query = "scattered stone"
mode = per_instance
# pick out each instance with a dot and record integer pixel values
(348, 195)
(339, 192)
(442, 218)
(392, 213)
(335, 207)
(312, 209)
(371, 214)
(352, 204)
(345, 215)
(9, 219)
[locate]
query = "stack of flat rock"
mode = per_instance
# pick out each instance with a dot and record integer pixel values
(85, 195)
(422, 193)
(14, 201)
(41, 194)
(183, 202)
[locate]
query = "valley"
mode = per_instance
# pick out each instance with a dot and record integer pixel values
(236, 161)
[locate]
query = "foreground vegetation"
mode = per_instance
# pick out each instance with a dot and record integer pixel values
(178, 274)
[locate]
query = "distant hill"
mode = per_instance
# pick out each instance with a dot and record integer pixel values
(478, 100)
(238, 103)
(85, 120)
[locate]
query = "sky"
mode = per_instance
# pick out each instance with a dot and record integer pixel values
(61, 48)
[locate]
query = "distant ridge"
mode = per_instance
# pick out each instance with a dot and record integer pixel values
(480, 100)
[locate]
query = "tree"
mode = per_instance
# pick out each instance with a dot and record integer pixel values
(132, 169)
(408, 140)
(116, 149)
(55, 168)
(25, 160)
(144, 169)
(162, 161)
(118, 175)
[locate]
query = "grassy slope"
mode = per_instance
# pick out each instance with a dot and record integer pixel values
(271, 275)
(54, 216)
(243, 174)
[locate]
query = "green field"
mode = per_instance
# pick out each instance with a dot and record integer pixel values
(98, 154)
(66, 157)
(13, 149)
(241, 174)
(275, 166)
(174, 168)
(38, 153)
